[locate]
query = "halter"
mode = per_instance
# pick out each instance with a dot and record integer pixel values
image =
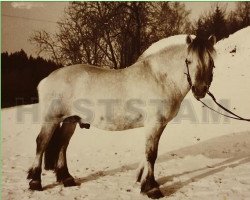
(188, 74)
(237, 117)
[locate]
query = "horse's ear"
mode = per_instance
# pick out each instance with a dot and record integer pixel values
(189, 39)
(212, 40)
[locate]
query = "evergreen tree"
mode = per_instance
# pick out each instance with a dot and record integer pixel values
(219, 25)
(212, 23)
(20, 77)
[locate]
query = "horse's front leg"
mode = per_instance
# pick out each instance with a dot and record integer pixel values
(146, 169)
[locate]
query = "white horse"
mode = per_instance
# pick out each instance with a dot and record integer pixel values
(101, 97)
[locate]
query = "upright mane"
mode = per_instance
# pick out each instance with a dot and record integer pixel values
(163, 44)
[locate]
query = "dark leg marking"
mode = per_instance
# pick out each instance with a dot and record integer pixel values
(149, 186)
(66, 131)
(56, 142)
(35, 175)
(52, 150)
(42, 141)
(63, 175)
(139, 175)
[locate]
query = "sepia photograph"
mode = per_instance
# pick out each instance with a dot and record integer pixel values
(125, 100)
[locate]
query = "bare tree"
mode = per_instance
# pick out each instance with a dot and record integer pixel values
(110, 33)
(170, 18)
(45, 43)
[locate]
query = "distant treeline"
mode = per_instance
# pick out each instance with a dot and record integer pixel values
(20, 77)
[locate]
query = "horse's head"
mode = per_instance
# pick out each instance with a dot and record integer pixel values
(200, 64)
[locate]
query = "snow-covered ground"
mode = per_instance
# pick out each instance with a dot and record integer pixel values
(200, 157)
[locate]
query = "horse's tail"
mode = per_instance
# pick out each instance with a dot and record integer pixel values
(44, 101)
(52, 151)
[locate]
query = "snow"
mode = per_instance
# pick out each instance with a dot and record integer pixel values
(200, 157)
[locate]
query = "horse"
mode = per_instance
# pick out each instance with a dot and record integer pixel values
(158, 82)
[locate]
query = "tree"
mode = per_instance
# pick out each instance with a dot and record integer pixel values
(233, 23)
(171, 19)
(45, 43)
(219, 24)
(240, 17)
(243, 13)
(21, 75)
(217, 21)
(203, 26)
(110, 33)
(213, 22)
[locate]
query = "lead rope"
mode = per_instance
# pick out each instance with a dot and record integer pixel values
(236, 117)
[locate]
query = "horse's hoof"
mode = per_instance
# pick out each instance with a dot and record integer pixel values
(30, 173)
(155, 184)
(69, 182)
(29, 176)
(154, 193)
(35, 185)
(148, 185)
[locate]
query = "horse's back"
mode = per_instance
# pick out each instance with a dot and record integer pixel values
(69, 74)
(83, 81)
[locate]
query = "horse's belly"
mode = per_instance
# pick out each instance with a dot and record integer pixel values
(121, 116)
(113, 121)
(116, 127)
(118, 123)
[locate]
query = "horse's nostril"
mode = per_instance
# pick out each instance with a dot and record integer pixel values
(200, 91)
(193, 89)
(205, 88)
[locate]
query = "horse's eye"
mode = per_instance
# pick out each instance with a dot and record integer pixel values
(188, 61)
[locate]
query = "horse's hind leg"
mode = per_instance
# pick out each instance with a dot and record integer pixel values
(52, 151)
(146, 171)
(55, 144)
(66, 131)
(42, 141)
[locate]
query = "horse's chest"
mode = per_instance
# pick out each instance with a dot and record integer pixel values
(171, 104)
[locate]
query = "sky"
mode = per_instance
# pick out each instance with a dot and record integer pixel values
(32, 16)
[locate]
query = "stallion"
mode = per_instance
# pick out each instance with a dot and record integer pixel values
(158, 82)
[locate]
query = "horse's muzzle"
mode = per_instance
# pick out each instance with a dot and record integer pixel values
(199, 92)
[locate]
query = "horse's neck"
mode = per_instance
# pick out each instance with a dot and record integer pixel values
(172, 67)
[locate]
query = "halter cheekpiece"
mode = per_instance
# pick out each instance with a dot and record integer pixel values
(188, 74)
